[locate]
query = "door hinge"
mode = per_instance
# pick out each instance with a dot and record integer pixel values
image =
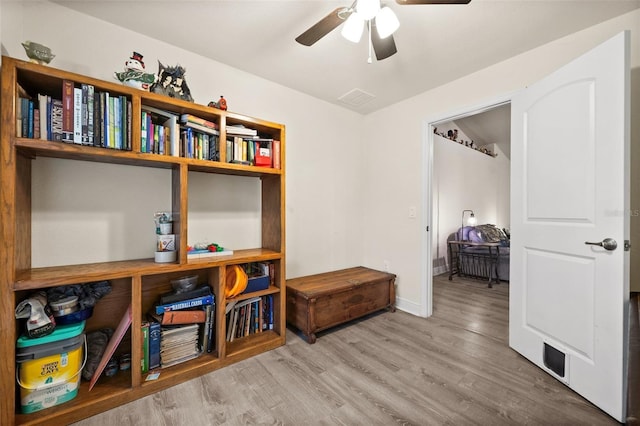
(627, 245)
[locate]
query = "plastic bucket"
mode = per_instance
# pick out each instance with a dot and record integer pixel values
(49, 367)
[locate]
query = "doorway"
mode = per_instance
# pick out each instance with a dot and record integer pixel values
(464, 174)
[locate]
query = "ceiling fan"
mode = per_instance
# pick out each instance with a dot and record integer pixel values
(379, 20)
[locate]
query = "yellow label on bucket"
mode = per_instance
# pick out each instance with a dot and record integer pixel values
(50, 380)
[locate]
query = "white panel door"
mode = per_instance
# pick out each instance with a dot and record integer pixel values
(570, 185)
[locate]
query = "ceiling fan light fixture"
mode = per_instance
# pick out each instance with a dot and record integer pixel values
(368, 9)
(353, 26)
(386, 22)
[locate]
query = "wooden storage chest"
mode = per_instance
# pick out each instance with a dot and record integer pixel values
(318, 302)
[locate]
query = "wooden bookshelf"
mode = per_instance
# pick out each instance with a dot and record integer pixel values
(138, 282)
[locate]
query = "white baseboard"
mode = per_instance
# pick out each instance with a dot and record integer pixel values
(408, 306)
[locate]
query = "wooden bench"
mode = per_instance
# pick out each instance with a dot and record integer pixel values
(318, 302)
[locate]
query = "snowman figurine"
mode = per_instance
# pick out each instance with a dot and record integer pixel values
(134, 74)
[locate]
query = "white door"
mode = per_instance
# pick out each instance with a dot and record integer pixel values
(568, 300)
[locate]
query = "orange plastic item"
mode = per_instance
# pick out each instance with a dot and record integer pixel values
(236, 281)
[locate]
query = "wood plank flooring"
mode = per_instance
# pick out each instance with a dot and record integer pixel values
(454, 368)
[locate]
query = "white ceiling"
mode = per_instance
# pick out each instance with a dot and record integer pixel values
(436, 43)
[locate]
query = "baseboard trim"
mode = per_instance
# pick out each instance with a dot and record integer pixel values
(408, 306)
(633, 372)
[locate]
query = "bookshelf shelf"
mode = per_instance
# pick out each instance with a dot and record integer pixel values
(135, 282)
(35, 147)
(247, 345)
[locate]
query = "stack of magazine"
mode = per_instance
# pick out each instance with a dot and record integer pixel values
(179, 344)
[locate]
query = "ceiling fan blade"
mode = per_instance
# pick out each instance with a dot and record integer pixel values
(433, 1)
(383, 47)
(324, 26)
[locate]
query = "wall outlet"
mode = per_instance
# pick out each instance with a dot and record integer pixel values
(385, 265)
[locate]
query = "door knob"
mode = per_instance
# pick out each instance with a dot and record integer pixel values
(607, 243)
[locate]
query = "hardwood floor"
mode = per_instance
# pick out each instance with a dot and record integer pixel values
(454, 368)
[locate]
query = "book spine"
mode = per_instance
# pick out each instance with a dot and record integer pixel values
(214, 150)
(205, 329)
(234, 324)
(154, 345)
(256, 317)
(143, 131)
(189, 153)
(272, 274)
(156, 138)
(144, 361)
(104, 119)
(129, 125)
(229, 150)
(161, 140)
(67, 111)
(90, 115)
(30, 119)
(247, 320)
(77, 115)
(97, 118)
(185, 304)
(117, 122)
(36, 123)
(112, 134)
(261, 315)
(49, 118)
(84, 113)
(56, 120)
(42, 110)
(238, 155)
(24, 108)
(211, 329)
(124, 127)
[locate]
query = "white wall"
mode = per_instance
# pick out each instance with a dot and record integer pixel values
(85, 212)
(465, 179)
(390, 235)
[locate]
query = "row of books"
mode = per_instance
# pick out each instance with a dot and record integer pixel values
(83, 116)
(28, 119)
(249, 316)
(156, 133)
(201, 146)
(166, 133)
(261, 152)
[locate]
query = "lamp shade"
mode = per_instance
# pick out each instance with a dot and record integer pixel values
(352, 28)
(386, 22)
(367, 9)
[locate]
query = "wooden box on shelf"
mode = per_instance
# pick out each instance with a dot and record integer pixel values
(318, 302)
(139, 282)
